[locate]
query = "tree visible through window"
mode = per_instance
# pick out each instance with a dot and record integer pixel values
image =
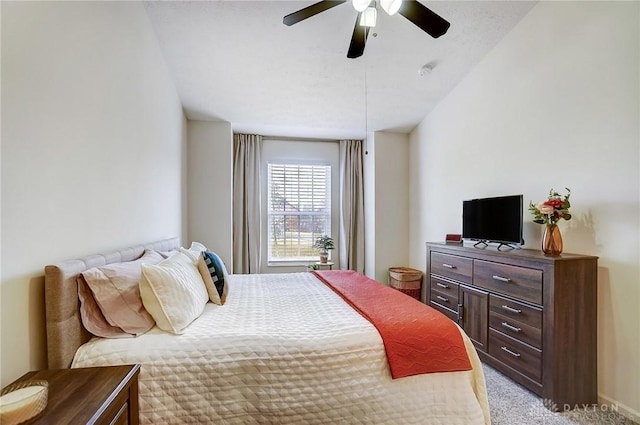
(299, 210)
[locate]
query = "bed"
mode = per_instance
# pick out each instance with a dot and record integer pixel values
(283, 349)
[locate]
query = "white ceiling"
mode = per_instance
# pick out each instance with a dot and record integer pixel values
(236, 61)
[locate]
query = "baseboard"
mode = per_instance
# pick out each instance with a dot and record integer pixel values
(620, 408)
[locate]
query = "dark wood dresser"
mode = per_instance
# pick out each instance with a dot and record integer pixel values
(96, 395)
(530, 316)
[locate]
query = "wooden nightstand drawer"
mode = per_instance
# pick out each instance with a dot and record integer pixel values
(518, 282)
(95, 395)
(516, 319)
(122, 417)
(521, 357)
(452, 266)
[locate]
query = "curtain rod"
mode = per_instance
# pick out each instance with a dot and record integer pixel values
(299, 139)
(302, 139)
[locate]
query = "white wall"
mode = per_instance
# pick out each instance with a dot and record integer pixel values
(554, 105)
(210, 187)
(93, 147)
(369, 171)
(391, 200)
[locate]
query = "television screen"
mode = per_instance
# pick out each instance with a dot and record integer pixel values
(496, 219)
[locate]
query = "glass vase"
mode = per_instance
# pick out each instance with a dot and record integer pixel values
(552, 240)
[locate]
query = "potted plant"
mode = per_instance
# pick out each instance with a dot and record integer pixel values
(323, 244)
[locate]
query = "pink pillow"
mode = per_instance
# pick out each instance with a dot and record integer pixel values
(114, 290)
(92, 317)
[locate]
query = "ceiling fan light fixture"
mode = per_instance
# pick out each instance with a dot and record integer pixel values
(391, 6)
(369, 17)
(360, 5)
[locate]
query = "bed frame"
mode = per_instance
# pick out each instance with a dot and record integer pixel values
(65, 332)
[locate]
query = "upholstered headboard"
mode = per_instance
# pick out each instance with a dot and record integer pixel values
(65, 332)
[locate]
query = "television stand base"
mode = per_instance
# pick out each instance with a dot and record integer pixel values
(502, 246)
(508, 246)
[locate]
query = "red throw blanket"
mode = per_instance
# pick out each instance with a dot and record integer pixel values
(417, 338)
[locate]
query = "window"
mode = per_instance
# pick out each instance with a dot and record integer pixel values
(299, 210)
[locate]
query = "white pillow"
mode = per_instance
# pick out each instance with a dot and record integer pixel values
(173, 292)
(193, 255)
(197, 246)
(194, 251)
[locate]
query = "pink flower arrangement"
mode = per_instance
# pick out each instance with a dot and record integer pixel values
(551, 210)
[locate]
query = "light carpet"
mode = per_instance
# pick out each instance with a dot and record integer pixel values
(512, 404)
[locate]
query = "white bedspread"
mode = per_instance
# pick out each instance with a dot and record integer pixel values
(284, 349)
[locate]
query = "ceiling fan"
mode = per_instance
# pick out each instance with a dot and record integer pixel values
(420, 15)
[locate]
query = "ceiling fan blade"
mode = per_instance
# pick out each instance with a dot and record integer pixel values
(309, 11)
(424, 18)
(358, 40)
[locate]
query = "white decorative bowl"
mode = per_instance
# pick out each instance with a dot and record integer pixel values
(23, 401)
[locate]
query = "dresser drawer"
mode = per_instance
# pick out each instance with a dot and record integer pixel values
(515, 319)
(446, 299)
(452, 266)
(521, 357)
(444, 286)
(518, 282)
(453, 315)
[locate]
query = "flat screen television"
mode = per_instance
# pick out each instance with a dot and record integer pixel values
(497, 219)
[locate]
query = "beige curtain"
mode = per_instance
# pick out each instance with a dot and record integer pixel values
(351, 206)
(247, 157)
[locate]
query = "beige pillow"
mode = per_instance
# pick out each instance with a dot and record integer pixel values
(114, 288)
(173, 292)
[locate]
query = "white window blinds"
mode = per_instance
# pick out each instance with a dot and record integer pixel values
(299, 210)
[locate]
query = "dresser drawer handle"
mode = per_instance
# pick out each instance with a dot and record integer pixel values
(501, 279)
(513, 328)
(448, 266)
(443, 299)
(442, 285)
(511, 309)
(513, 353)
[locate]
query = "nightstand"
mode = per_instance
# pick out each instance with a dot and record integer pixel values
(95, 395)
(324, 266)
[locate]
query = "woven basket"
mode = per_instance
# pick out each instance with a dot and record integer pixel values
(406, 280)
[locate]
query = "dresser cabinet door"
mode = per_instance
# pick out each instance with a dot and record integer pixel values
(473, 315)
